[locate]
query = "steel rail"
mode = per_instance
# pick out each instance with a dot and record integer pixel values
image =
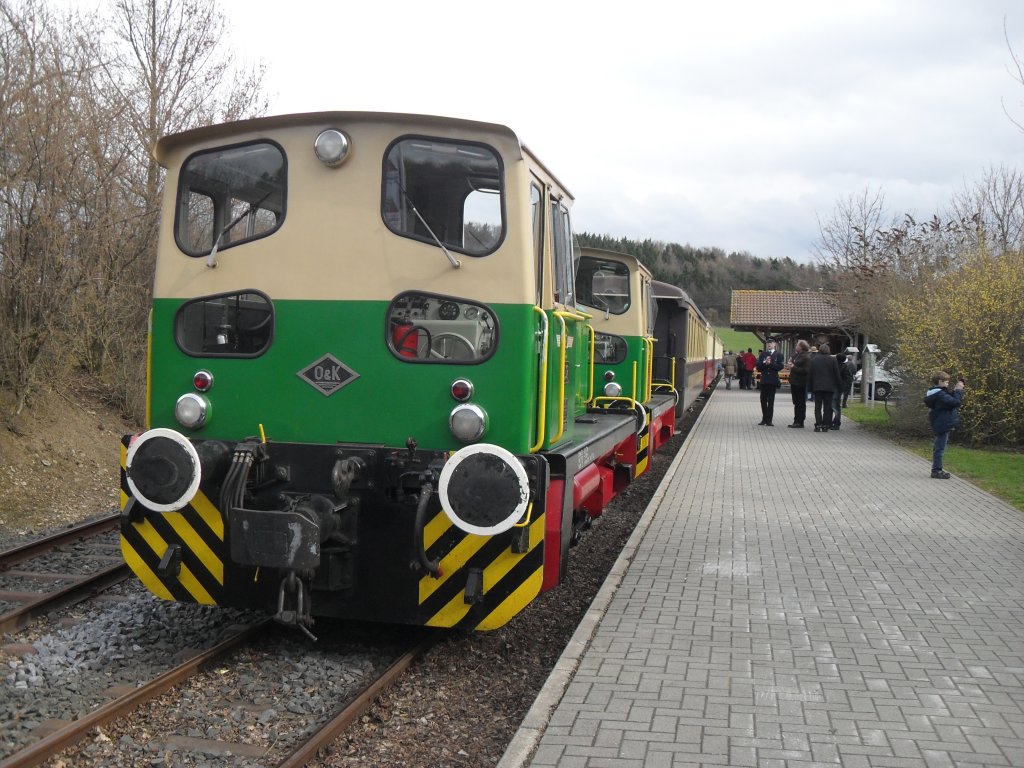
(76, 730)
(47, 543)
(82, 589)
(356, 707)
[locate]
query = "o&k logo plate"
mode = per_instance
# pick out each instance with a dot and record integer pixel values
(328, 374)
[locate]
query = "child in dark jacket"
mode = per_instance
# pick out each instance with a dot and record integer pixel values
(943, 416)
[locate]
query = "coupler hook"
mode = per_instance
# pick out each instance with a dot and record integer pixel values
(299, 614)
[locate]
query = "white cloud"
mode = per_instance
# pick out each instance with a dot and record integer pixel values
(719, 124)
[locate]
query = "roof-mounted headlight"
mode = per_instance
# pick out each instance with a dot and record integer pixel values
(331, 147)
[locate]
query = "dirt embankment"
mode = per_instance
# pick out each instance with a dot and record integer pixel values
(58, 462)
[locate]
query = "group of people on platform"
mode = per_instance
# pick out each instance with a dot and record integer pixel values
(815, 371)
(739, 365)
(812, 370)
(828, 377)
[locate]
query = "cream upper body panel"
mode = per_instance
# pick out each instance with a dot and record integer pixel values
(333, 243)
(632, 322)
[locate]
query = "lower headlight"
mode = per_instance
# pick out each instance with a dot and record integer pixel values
(467, 422)
(612, 389)
(191, 410)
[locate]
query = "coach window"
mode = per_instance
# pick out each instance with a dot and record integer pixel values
(225, 325)
(447, 193)
(603, 284)
(229, 196)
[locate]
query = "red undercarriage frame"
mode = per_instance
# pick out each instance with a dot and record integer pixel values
(594, 487)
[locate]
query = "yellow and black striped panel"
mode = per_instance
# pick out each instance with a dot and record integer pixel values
(197, 528)
(510, 581)
(643, 445)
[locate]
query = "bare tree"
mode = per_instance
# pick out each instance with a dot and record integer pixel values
(80, 111)
(164, 68)
(992, 211)
(849, 249)
(44, 179)
(172, 71)
(1016, 72)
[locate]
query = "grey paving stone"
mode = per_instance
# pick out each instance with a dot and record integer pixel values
(799, 599)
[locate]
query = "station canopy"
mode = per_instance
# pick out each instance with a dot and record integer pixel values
(790, 314)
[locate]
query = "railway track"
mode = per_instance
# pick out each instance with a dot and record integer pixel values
(44, 575)
(304, 740)
(40, 577)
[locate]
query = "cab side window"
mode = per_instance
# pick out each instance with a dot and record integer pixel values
(563, 240)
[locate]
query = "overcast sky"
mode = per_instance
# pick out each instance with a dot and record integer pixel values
(732, 124)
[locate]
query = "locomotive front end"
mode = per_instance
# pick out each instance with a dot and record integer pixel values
(344, 416)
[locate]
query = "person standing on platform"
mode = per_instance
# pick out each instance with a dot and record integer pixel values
(729, 368)
(810, 392)
(824, 381)
(846, 381)
(749, 361)
(798, 367)
(851, 366)
(943, 417)
(769, 364)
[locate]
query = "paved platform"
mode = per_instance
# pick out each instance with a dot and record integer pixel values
(796, 599)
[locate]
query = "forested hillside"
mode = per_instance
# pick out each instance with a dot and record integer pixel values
(709, 275)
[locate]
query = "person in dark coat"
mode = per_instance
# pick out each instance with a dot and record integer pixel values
(846, 376)
(943, 417)
(769, 363)
(798, 366)
(851, 366)
(823, 379)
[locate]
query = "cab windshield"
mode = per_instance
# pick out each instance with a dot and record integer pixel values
(444, 192)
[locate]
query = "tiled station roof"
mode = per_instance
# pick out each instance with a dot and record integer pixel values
(786, 309)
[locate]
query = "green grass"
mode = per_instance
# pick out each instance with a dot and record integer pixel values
(875, 415)
(738, 341)
(1001, 473)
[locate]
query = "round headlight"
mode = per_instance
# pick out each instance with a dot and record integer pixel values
(191, 410)
(612, 389)
(467, 422)
(331, 147)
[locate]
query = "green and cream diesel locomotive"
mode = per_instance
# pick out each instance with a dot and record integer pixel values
(372, 390)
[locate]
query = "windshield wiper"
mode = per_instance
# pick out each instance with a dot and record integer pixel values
(454, 262)
(211, 259)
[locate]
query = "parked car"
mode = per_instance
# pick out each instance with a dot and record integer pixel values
(886, 380)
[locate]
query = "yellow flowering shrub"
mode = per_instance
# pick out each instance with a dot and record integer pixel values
(969, 321)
